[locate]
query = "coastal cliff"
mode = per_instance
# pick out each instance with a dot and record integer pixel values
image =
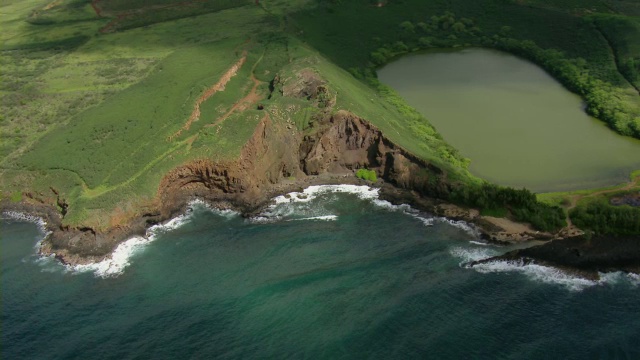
(277, 159)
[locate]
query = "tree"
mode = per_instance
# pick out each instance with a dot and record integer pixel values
(407, 26)
(458, 27)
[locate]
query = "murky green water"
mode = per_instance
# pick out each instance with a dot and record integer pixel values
(517, 124)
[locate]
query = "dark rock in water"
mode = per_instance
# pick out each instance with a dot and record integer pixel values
(581, 254)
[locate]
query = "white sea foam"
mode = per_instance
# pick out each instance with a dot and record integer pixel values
(463, 225)
(118, 261)
(323, 217)
(287, 207)
(20, 216)
(312, 192)
(467, 255)
(635, 278)
(120, 258)
(198, 204)
(293, 203)
(620, 277)
(535, 272)
(479, 243)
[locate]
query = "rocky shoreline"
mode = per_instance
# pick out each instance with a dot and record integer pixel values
(61, 235)
(583, 256)
(278, 160)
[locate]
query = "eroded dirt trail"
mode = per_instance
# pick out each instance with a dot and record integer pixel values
(246, 102)
(219, 86)
(243, 104)
(629, 186)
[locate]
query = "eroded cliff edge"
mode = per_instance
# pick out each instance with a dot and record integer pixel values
(276, 160)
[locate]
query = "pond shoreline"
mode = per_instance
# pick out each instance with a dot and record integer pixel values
(541, 138)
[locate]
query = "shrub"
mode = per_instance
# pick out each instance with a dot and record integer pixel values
(366, 174)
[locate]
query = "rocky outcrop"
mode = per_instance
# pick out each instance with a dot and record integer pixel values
(273, 156)
(584, 255)
(265, 160)
(349, 143)
(278, 159)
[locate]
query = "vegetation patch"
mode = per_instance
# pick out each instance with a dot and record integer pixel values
(602, 218)
(89, 108)
(566, 43)
(366, 174)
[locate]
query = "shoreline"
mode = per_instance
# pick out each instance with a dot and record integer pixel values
(270, 166)
(562, 255)
(115, 260)
(50, 220)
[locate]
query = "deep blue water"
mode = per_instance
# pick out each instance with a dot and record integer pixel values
(361, 281)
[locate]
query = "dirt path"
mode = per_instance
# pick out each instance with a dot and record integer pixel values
(243, 104)
(246, 102)
(574, 199)
(52, 4)
(219, 86)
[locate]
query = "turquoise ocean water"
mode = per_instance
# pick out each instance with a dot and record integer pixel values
(321, 275)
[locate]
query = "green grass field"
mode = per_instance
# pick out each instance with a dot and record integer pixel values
(90, 102)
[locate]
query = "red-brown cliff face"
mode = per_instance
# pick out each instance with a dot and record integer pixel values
(274, 155)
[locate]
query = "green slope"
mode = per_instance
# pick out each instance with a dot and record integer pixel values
(91, 112)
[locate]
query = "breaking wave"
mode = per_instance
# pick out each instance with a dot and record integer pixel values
(296, 206)
(535, 272)
(20, 216)
(120, 258)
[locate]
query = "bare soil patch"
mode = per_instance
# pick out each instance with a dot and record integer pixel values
(219, 86)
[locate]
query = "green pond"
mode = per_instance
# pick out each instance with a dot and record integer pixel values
(516, 123)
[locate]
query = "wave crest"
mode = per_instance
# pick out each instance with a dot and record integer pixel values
(535, 272)
(115, 264)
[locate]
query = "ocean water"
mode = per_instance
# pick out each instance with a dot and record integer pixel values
(332, 273)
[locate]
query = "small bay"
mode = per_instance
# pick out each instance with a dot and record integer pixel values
(331, 275)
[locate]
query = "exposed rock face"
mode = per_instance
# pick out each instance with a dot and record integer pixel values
(308, 85)
(349, 143)
(587, 256)
(343, 143)
(264, 160)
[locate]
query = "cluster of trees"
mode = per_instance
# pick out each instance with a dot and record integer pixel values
(604, 100)
(437, 31)
(522, 204)
(603, 218)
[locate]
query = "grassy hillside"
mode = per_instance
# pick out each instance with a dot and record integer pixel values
(556, 35)
(99, 97)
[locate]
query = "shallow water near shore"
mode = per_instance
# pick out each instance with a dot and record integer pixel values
(516, 123)
(332, 272)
